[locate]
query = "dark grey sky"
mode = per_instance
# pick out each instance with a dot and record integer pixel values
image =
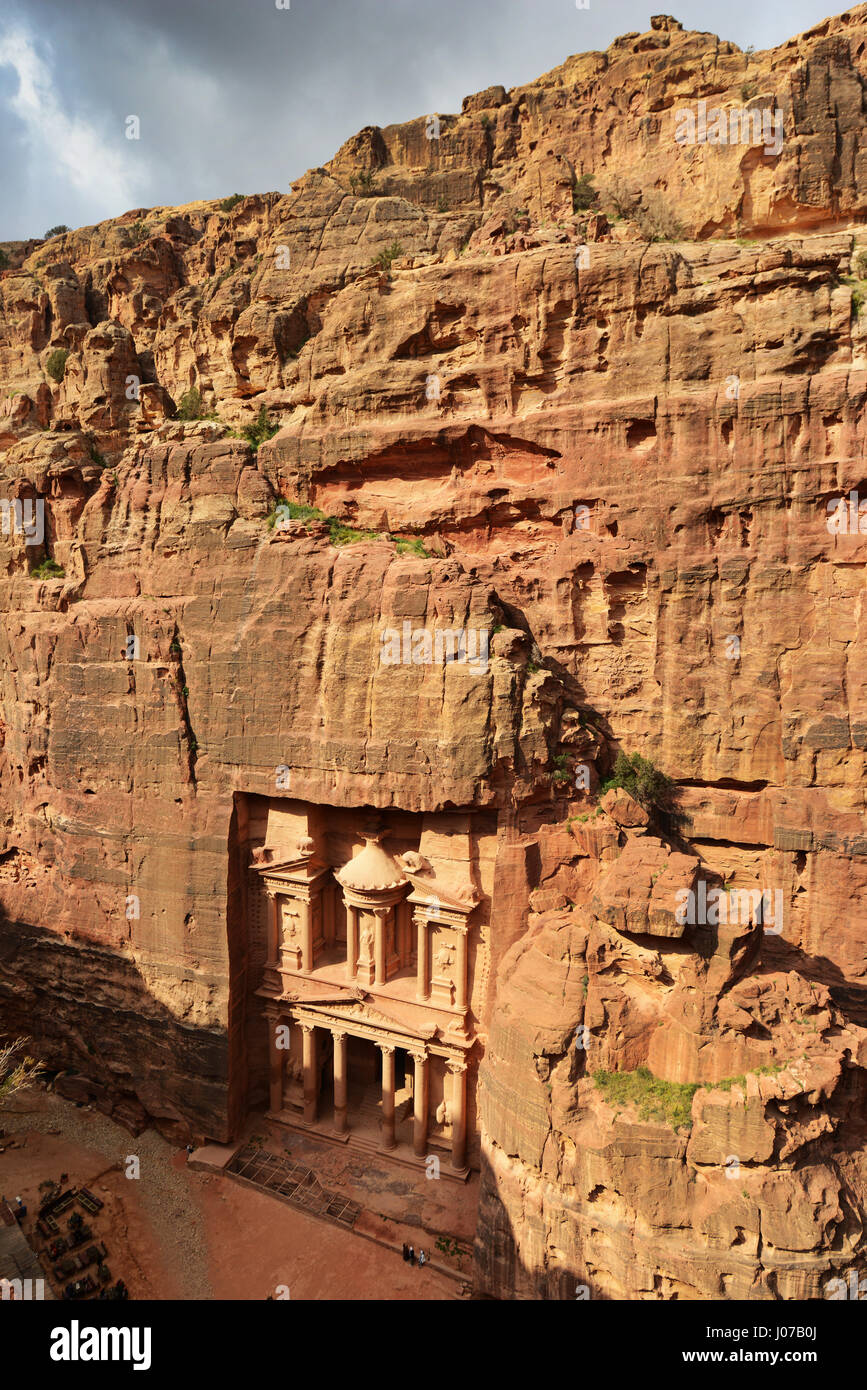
(240, 96)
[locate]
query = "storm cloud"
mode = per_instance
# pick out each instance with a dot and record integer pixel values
(244, 96)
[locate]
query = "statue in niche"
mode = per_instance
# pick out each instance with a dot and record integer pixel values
(367, 934)
(444, 957)
(444, 1113)
(290, 927)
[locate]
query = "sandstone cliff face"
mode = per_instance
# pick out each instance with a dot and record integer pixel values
(616, 463)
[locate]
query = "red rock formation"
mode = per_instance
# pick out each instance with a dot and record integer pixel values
(611, 456)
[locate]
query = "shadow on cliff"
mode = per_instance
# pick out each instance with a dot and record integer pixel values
(849, 996)
(60, 994)
(501, 1272)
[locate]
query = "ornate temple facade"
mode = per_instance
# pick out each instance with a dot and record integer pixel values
(367, 979)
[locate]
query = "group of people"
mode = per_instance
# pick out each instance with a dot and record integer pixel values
(410, 1255)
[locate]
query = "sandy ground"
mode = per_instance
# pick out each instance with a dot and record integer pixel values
(177, 1233)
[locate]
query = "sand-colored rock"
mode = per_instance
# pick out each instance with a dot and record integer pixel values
(608, 459)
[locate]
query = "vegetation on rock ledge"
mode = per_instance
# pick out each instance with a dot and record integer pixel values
(667, 1101)
(638, 776)
(338, 532)
(55, 363)
(48, 569)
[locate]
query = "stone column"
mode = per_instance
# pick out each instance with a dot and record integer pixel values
(306, 912)
(277, 1059)
(461, 982)
(340, 1080)
(387, 1096)
(422, 964)
(379, 943)
(351, 939)
(459, 1115)
(420, 1104)
(308, 1055)
(273, 958)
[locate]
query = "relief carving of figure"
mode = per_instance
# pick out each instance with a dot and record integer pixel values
(367, 941)
(444, 957)
(444, 1113)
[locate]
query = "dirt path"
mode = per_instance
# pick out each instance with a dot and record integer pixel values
(175, 1233)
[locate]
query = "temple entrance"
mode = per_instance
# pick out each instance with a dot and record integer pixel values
(364, 1089)
(364, 1083)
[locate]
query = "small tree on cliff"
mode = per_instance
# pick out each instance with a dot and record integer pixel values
(638, 776)
(17, 1071)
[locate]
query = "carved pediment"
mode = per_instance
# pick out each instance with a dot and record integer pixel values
(355, 1008)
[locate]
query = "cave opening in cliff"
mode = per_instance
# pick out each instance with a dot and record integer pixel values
(358, 953)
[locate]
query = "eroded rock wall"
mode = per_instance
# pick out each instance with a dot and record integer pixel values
(614, 458)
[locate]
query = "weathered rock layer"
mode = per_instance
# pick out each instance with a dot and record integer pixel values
(614, 458)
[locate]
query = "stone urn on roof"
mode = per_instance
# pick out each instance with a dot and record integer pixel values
(373, 883)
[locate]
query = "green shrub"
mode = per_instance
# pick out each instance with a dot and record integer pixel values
(339, 533)
(561, 771)
(442, 204)
(261, 430)
(386, 258)
(584, 195)
(726, 1084)
(4, 260)
(56, 231)
(859, 264)
(363, 185)
(48, 569)
(294, 511)
(99, 459)
(667, 1101)
(137, 233)
(190, 406)
(859, 292)
(55, 363)
(231, 202)
(410, 545)
(638, 776)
